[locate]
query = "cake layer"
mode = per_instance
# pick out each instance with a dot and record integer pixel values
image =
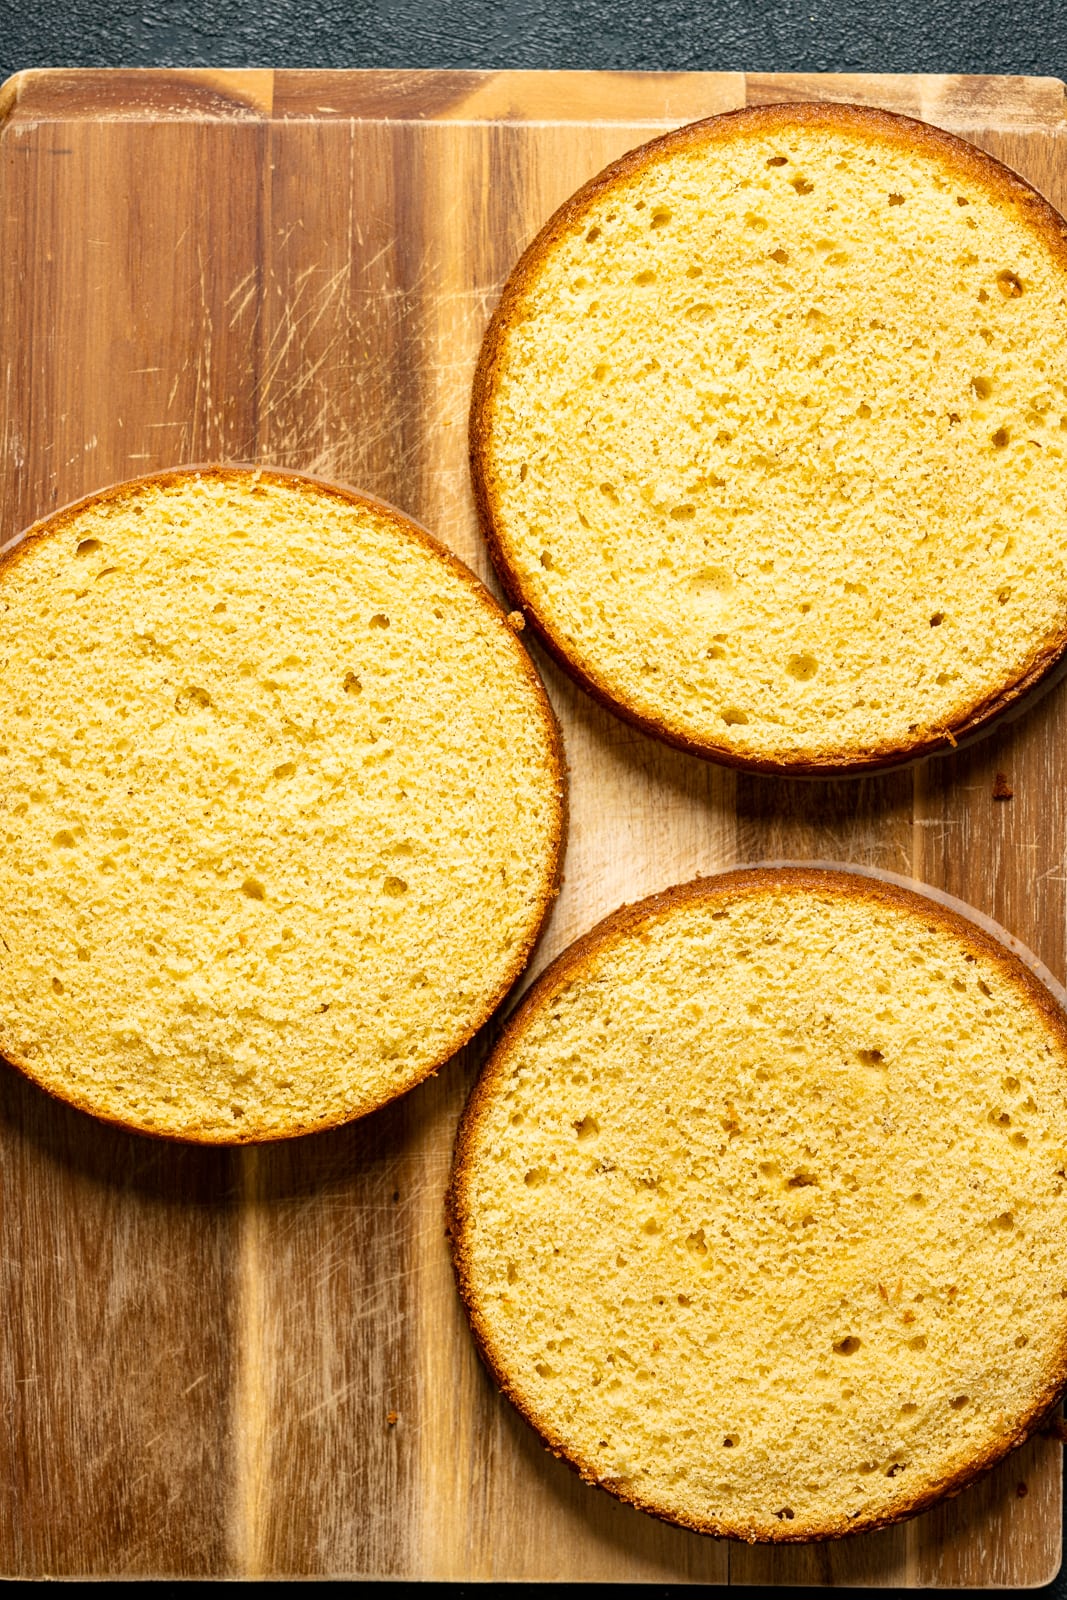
(281, 804)
(759, 1208)
(768, 437)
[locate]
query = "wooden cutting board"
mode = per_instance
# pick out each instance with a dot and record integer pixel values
(254, 1363)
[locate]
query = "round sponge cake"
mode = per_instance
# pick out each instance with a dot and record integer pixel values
(759, 1208)
(281, 804)
(768, 437)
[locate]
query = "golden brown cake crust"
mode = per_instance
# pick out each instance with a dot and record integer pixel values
(570, 964)
(54, 524)
(1001, 184)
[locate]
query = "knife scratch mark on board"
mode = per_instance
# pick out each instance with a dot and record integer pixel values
(331, 1400)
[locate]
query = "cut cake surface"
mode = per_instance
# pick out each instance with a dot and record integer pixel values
(281, 804)
(769, 437)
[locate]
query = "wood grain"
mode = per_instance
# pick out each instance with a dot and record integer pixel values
(255, 1365)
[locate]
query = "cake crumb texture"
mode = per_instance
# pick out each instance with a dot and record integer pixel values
(280, 805)
(769, 437)
(759, 1209)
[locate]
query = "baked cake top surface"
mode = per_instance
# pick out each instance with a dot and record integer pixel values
(759, 1208)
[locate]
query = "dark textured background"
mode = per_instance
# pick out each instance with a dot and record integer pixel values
(753, 35)
(1001, 36)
